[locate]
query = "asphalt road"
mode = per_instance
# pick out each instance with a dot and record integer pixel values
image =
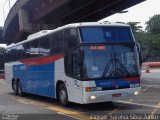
(144, 106)
(17, 108)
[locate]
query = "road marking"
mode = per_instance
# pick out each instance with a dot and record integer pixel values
(146, 88)
(68, 116)
(151, 85)
(113, 111)
(109, 113)
(158, 104)
(152, 94)
(145, 105)
(65, 111)
(37, 103)
(135, 110)
(130, 100)
(148, 100)
(149, 96)
(2, 82)
(23, 101)
(155, 110)
(77, 115)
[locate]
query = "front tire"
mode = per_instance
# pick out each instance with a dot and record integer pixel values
(63, 95)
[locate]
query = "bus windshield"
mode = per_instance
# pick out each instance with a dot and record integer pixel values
(106, 34)
(110, 61)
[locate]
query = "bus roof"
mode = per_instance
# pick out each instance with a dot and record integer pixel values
(83, 24)
(87, 24)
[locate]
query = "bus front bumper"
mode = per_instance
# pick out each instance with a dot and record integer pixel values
(110, 95)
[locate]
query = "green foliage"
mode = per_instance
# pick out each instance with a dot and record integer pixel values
(149, 39)
(135, 27)
(153, 25)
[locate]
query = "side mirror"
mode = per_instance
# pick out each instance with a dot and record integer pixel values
(139, 53)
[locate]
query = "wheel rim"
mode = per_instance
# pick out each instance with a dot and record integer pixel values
(63, 96)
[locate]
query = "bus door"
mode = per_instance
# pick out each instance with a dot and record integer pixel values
(74, 71)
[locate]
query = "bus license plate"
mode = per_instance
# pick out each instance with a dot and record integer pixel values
(116, 95)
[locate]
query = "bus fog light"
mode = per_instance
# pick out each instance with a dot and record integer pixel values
(93, 97)
(136, 93)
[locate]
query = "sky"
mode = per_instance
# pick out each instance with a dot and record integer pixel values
(138, 13)
(4, 9)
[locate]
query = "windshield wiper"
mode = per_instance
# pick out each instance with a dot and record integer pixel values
(115, 70)
(122, 66)
(107, 67)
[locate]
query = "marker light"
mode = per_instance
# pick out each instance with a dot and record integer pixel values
(89, 89)
(93, 97)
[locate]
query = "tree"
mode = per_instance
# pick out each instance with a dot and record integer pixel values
(153, 25)
(135, 27)
(149, 39)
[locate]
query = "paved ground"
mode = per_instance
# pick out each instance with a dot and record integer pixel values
(147, 103)
(16, 108)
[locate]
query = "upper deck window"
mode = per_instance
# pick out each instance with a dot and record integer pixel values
(106, 34)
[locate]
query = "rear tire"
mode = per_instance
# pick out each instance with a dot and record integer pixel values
(63, 95)
(15, 90)
(19, 89)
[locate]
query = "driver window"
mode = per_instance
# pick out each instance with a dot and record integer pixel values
(76, 65)
(72, 65)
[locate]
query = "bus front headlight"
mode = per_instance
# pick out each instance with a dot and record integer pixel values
(136, 93)
(93, 97)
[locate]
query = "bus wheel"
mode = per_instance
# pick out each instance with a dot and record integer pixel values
(15, 90)
(19, 89)
(63, 96)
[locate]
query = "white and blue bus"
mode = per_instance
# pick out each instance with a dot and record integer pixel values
(81, 63)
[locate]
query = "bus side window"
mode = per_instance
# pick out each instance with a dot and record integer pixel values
(76, 65)
(7, 55)
(68, 65)
(56, 42)
(26, 52)
(44, 48)
(20, 52)
(70, 38)
(73, 66)
(59, 41)
(34, 49)
(13, 54)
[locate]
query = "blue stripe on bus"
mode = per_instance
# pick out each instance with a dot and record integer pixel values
(109, 83)
(36, 79)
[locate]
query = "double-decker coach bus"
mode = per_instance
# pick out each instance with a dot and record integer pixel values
(81, 63)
